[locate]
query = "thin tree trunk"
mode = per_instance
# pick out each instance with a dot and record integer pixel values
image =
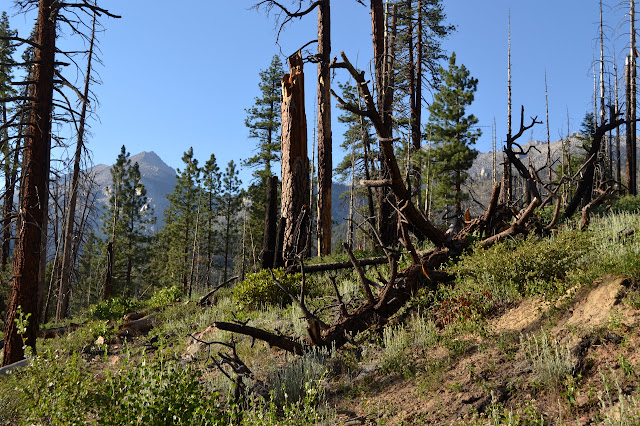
(325, 162)
(630, 140)
(193, 251)
(506, 185)
(546, 97)
(65, 275)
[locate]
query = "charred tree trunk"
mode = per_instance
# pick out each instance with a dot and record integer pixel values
(383, 41)
(325, 161)
(270, 224)
(506, 184)
(630, 131)
(295, 162)
(108, 275)
(24, 292)
(583, 193)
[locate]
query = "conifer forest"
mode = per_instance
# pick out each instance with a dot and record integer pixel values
(363, 261)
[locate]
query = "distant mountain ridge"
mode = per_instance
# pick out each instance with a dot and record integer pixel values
(158, 178)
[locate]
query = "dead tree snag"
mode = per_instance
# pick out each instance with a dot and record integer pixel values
(24, 291)
(295, 162)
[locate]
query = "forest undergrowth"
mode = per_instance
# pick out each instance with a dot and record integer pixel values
(535, 330)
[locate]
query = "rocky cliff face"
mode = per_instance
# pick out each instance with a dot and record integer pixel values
(158, 178)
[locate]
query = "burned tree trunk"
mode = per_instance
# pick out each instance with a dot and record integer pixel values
(108, 274)
(630, 129)
(24, 291)
(295, 162)
(270, 224)
(383, 41)
(325, 162)
(583, 193)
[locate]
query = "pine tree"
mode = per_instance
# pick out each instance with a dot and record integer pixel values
(263, 122)
(231, 201)
(452, 129)
(111, 217)
(359, 144)
(180, 219)
(127, 220)
(137, 217)
(212, 186)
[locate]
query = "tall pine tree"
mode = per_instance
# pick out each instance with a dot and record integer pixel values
(127, 220)
(453, 132)
(231, 202)
(180, 221)
(212, 185)
(263, 122)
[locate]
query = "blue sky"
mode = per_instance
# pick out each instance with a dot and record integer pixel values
(180, 75)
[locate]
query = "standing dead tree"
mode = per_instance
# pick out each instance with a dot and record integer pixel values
(325, 162)
(23, 302)
(584, 191)
(513, 156)
(69, 226)
(295, 162)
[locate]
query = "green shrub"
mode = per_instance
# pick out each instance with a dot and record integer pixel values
(259, 289)
(165, 296)
(501, 274)
(626, 204)
(114, 308)
(155, 392)
(50, 391)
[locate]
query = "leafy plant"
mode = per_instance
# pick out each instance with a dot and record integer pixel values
(300, 378)
(114, 308)
(155, 392)
(628, 204)
(165, 296)
(535, 266)
(259, 289)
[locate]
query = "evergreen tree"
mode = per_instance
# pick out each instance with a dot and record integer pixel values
(360, 147)
(90, 269)
(452, 129)
(180, 220)
(263, 122)
(136, 219)
(127, 220)
(231, 202)
(212, 186)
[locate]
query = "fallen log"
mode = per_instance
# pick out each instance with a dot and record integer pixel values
(204, 300)
(137, 327)
(8, 369)
(272, 339)
(334, 266)
(132, 316)
(56, 332)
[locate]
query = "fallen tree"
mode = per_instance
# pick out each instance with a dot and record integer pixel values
(424, 272)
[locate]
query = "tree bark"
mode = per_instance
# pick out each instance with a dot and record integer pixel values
(325, 161)
(270, 224)
(294, 159)
(24, 292)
